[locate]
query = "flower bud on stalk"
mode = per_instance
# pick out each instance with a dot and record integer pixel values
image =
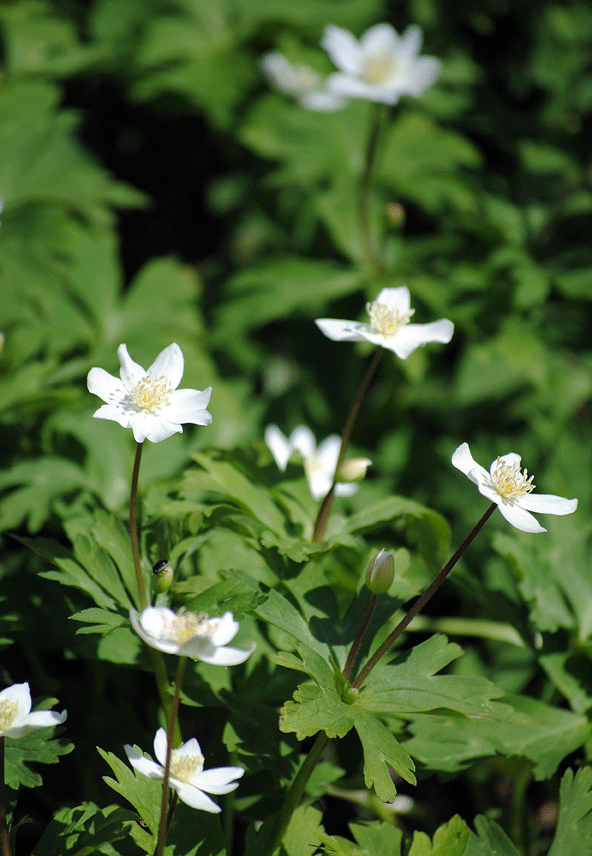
(380, 573)
(162, 577)
(353, 470)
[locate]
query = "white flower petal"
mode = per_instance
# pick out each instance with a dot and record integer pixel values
(548, 503)
(413, 336)
(426, 71)
(520, 518)
(170, 364)
(19, 695)
(346, 86)
(343, 49)
(340, 331)
(130, 372)
(463, 460)
(322, 101)
(227, 656)
(346, 489)
(410, 43)
(279, 446)
(396, 298)
(303, 440)
(160, 746)
(511, 458)
(225, 629)
(150, 627)
(380, 39)
(328, 453)
(148, 426)
(146, 766)
(195, 798)
(105, 385)
(277, 69)
(188, 405)
(218, 780)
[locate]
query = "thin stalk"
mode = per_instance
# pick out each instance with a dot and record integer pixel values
(133, 528)
(421, 602)
(297, 787)
(4, 839)
(165, 814)
(364, 189)
(325, 510)
(351, 657)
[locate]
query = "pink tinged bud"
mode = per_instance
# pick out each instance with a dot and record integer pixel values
(353, 470)
(381, 573)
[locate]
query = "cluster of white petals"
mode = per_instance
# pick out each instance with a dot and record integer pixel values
(190, 634)
(16, 718)
(301, 82)
(148, 401)
(187, 775)
(381, 66)
(319, 461)
(389, 325)
(511, 489)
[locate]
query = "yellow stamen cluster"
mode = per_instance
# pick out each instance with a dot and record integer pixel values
(189, 624)
(306, 78)
(386, 319)
(8, 711)
(509, 482)
(151, 393)
(378, 69)
(183, 767)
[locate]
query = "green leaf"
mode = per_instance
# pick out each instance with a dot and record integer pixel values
(450, 839)
(86, 830)
(574, 825)
(381, 748)
(378, 838)
(100, 620)
(143, 793)
(38, 747)
(490, 838)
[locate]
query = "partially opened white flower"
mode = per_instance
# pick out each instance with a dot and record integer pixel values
(511, 489)
(319, 462)
(301, 82)
(190, 634)
(382, 66)
(389, 325)
(187, 775)
(148, 401)
(16, 718)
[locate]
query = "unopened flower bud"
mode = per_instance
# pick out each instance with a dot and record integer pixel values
(381, 572)
(162, 577)
(353, 470)
(395, 215)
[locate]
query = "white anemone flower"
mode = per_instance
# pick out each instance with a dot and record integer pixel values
(382, 66)
(389, 325)
(16, 718)
(148, 401)
(190, 634)
(301, 82)
(187, 775)
(319, 461)
(511, 489)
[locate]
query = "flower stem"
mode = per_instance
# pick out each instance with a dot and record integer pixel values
(6, 851)
(351, 658)
(133, 528)
(325, 510)
(421, 602)
(165, 815)
(296, 790)
(364, 189)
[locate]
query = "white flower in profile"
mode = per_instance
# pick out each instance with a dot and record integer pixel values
(389, 325)
(382, 66)
(301, 82)
(16, 718)
(187, 775)
(190, 634)
(148, 401)
(511, 489)
(320, 461)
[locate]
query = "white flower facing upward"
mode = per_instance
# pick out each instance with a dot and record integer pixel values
(301, 82)
(190, 634)
(382, 66)
(187, 775)
(319, 462)
(511, 489)
(16, 718)
(148, 401)
(389, 325)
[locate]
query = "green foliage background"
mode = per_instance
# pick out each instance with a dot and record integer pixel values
(154, 189)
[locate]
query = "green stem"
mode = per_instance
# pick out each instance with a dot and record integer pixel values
(165, 815)
(364, 190)
(325, 510)
(421, 602)
(6, 851)
(351, 659)
(297, 787)
(133, 528)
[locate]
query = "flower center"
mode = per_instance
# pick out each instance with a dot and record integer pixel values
(151, 393)
(184, 766)
(306, 78)
(386, 319)
(8, 711)
(189, 624)
(378, 69)
(509, 482)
